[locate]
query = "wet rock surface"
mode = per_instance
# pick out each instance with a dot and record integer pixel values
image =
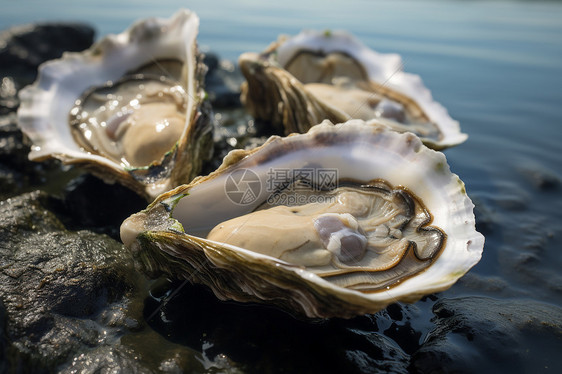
(17, 174)
(498, 335)
(58, 286)
(89, 203)
(24, 48)
(105, 359)
(222, 82)
(71, 299)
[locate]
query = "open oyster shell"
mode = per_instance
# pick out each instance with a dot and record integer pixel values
(130, 109)
(340, 221)
(299, 81)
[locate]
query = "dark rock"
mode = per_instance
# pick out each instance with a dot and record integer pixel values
(24, 48)
(11, 138)
(484, 335)
(105, 359)
(3, 347)
(59, 288)
(234, 127)
(211, 60)
(89, 203)
(17, 173)
(222, 82)
(8, 95)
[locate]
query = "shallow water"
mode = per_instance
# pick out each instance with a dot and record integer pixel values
(496, 67)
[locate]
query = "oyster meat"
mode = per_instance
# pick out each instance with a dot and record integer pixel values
(130, 109)
(298, 82)
(337, 222)
(350, 235)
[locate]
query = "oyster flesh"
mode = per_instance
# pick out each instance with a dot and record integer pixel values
(337, 222)
(298, 82)
(130, 109)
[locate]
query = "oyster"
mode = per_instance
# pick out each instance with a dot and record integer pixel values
(340, 221)
(129, 109)
(300, 81)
